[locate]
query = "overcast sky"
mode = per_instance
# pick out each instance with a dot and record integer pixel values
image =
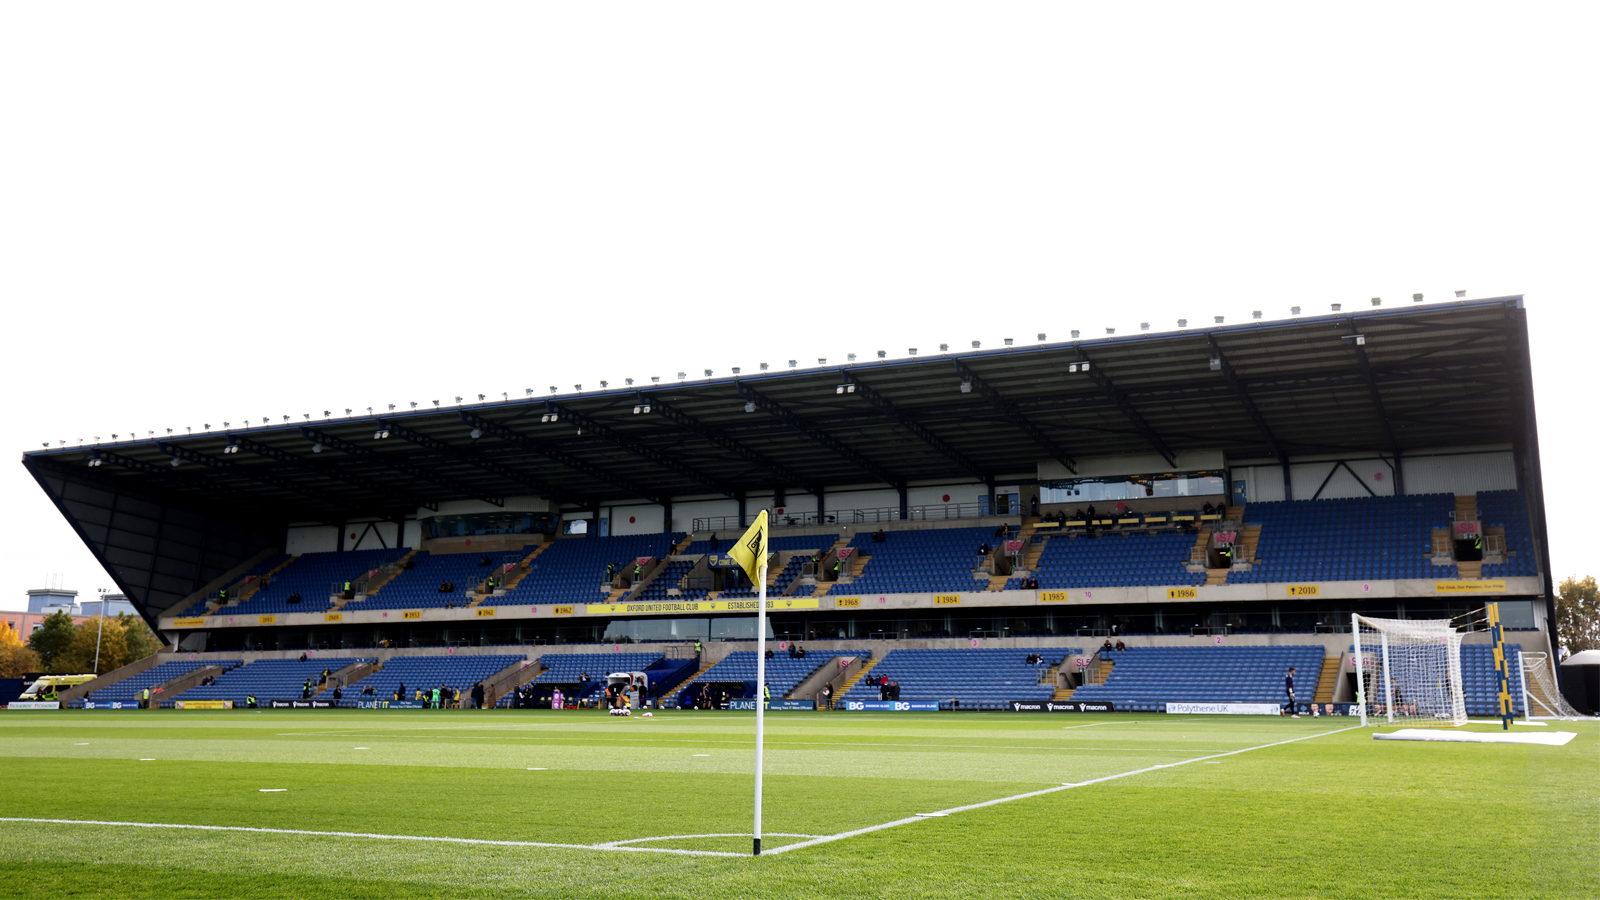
(213, 211)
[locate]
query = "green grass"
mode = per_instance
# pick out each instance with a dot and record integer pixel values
(1336, 815)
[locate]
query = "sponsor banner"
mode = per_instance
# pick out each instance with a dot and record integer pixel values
(301, 704)
(411, 614)
(1304, 590)
(1053, 597)
(1225, 709)
(946, 599)
(202, 704)
(333, 617)
(724, 561)
(749, 704)
(188, 623)
(34, 704)
(691, 606)
(807, 705)
(1187, 593)
(1469, 587)
(892, 705)
(110, 704)
(388, 704)
(562, 610)
(1070, 706)
(1225, 537)
(847, 601)
(486, 613)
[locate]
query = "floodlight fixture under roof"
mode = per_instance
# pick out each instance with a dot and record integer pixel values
(1416, 298)
(749, 406)
(1294, 310)
(1336, 306)
(850, 356)
(708, 373)
(1377, 301)
(977, 345)
(1255, 313)
(736, 370)
(792, 363)
(911, 350)
(1460, 294)
(1041, 336)
(882, 354)
(1218, 319)
(655, 379)
(1008, 342)
(1183, 323)
(1074, 334)
(1144, 326)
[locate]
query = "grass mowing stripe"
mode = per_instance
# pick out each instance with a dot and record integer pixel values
(1065, 787)
(384, 837)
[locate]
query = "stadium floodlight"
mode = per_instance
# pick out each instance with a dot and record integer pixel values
(1255, 313)
(1460, 294)
(114, 437)
(655, 379)
(736, 370)
(1359, 339)
(629, 381)
(708, 373)
(851, 357)
(1111, 331)
(174, 462)
(638, 408)
(911, 350)
(647, 409)
(527, 392)
(603, 385)
(1218, 319)
(1008, 342)
(763, 367)
(307, 415)
(977, 345)
(1416, 298)
(1183, 323)
(682, 375)
(848, 387)
(413, 404)
(1074, 334)
(316, 448)
(169, 431)
(882, 354)
(966, 385)
(475, 433)
(944, 348)
(1084, 365)
(792, 363)
(1294, 310)
(458, 399)
(553, 389)
(749, 407)
(1377, 301)
(1337, 306)
(480, 398)
(1216, 364)
(822, 360)
(1144, 326)
(1041, 337)
(188, 429)
(435, 404)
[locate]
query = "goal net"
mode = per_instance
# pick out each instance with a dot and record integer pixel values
(1408, 671)
(1540, 689)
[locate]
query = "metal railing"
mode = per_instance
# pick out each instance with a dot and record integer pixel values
(926, 512)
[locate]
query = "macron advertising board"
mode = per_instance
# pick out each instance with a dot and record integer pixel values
(1072, 706)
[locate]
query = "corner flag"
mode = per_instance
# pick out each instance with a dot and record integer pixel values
(750, 551)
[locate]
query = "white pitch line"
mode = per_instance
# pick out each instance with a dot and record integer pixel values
(1065, 787)
(381, 837)
(690, 837)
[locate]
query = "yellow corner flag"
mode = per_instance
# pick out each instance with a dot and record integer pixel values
(750, 550)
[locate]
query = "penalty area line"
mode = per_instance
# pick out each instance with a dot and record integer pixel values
(611, 847)
(922, 817)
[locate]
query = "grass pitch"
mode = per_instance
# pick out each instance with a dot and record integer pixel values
(579, 804)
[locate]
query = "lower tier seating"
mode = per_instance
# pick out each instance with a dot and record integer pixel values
(976, 677)
(129, 688)
(414, 672)
(1145, 677)
(267, 679)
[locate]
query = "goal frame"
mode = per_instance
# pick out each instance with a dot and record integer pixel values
(1452, 672)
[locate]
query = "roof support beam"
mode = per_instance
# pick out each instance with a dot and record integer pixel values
(367, 454)
(505, 473)
(887, 407)
(640, 449)
(1243, 395)
(305, 465)
(523, 442)
(1357, 344)
(1098, 376)
(788, 476)
(177, 451)
(1014, 416)
(787, 417)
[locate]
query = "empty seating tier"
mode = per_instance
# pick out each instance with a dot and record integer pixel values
(923, 561)
(1116, 560)
(267, 679)
(982, 678)
(566, 668)
(1359, 539)
(1142, 678)
(418, 587)
(783, 671)
(314, 577)
(573, 570)
(1509, 510)
(424, 672)
(130, 687)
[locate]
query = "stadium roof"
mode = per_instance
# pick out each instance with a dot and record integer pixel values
(1428, 376)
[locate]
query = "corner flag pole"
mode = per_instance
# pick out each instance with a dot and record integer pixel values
(761, 692)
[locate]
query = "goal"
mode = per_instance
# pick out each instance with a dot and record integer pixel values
(1408, 671)
(1541, 695)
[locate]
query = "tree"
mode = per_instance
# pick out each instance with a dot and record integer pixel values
(8, 635)
(142, 642)
(1578, 614)
(122, 640)
(17, 660)
(52, 637)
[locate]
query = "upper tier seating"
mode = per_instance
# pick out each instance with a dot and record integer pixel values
(573, 569)
(1115, 560)
(1509, 510)
(778, 543)
(1145, 677)
(1353, 539)
(777, 582)
(418, 587)
(428, 672)
(129, 688)
(669, 578)
(984, 677)
(783, 672)
(314, 576)
(268, 679)
(911, 562)
(255, 571)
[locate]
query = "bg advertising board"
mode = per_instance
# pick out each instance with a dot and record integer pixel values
(892, 705)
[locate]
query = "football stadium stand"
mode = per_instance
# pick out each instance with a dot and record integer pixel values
(415, 672)
(255, 571)
(565, 668)
(572, 570)
(1509, 510)
(267, 679)
(941, 559)
(1143, 678)
(418, 587)
(129, 688)
(784, 673)
(979, 678)
(1115, 560)
(1351, 539)
(314, 577)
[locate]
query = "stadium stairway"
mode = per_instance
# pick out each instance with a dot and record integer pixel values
(857, 676)
(856, 565)
(376, 584)
(1328, 681)
(249, 589)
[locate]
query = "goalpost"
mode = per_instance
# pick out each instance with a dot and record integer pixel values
(1541, 692)
(1408, 671)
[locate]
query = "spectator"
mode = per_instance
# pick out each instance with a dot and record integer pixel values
(1208, 509)
(446, 587)
(770, 653)
(369, 691)
(477, 696)
(1106, 647)
(879, 537)
(1120, 646)
(484, 560)
(338, 693)
(827, 696)
(984, 548)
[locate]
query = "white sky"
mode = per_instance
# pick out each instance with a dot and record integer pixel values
(210, 211)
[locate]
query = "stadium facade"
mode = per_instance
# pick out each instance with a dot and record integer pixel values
(1269, 477)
